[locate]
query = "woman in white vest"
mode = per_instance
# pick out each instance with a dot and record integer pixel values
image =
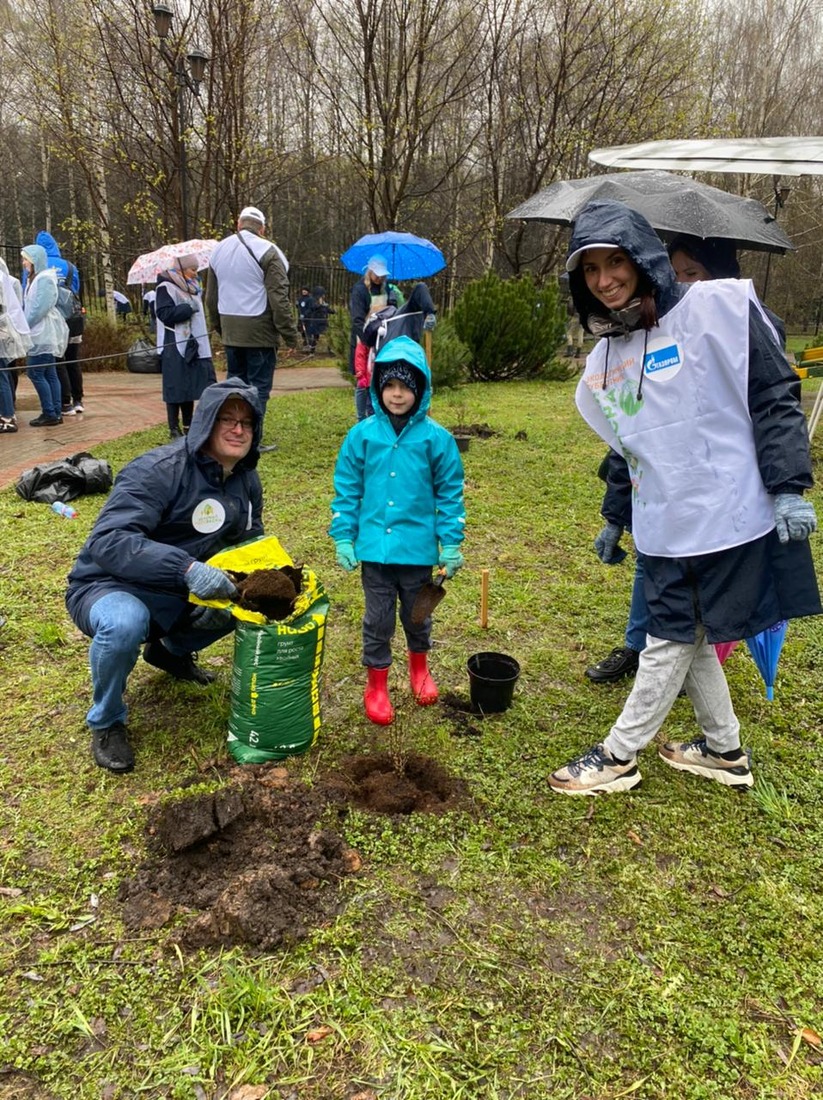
(689, 385)
(185, 352)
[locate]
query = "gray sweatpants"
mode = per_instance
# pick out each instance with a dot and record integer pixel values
(664, 668)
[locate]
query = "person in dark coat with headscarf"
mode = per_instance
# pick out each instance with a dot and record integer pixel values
(185, 357)
(689, 385)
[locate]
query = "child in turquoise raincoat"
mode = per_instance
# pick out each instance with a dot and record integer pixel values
(398, 511)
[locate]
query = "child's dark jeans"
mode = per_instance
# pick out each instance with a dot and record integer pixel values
(383, 585)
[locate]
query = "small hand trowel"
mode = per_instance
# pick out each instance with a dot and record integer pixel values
(428, 598)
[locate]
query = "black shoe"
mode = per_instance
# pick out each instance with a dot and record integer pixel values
(619, 663)
(111, 749)
(181, 668)
(43, 421)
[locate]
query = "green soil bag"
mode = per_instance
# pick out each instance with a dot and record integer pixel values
(275, 684)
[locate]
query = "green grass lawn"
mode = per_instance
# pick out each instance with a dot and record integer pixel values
(665, 943)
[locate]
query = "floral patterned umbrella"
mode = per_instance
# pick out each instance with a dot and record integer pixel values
(146, 267)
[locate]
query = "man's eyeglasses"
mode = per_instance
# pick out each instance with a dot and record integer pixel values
(233, 422)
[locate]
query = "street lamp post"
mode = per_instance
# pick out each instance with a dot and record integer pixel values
(185, 81)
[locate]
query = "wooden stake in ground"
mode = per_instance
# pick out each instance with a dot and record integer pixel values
(484, 599)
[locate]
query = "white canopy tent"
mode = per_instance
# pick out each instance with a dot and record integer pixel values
(780, 156)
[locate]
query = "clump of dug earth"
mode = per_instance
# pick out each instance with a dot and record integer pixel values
(245, 864)
(258, 861)
(269, 592)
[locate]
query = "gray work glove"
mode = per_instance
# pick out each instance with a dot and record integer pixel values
(208, 583)
(607, 546)
(195, 305)
(211, 618)
(794, 517)
(429, 321)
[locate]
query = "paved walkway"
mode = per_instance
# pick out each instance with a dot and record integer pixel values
(116, 404)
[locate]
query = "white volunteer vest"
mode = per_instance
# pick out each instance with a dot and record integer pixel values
(689, 443)
(240, 288)
(196, 325)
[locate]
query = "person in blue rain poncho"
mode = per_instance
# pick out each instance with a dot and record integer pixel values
(689, 385)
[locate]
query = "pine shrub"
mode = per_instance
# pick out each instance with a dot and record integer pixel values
(450, 356)
(512, 328)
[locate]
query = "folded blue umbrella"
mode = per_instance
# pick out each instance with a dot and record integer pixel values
(765, 648)
(406, 256)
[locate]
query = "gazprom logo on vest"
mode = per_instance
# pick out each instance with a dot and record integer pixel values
(662, 359)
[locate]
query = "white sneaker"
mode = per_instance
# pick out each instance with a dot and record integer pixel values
(734, 769)
(68, 411)
(595, 772)
(78, 408)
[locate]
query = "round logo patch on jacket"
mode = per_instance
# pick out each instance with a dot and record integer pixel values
(208, 516)
(664, 358)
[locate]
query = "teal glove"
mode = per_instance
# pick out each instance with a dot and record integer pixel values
(208, 583)
(794, 517)
(346, 558)
(607, 546)
(451, 560)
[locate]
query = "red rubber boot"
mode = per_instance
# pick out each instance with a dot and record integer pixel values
(424, 688)
(376, 697)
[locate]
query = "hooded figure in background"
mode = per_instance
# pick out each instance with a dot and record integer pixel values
(688, 385)
(49, 333)
(170, 510)
(69, 373)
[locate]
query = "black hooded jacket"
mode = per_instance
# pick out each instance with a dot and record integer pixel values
(145, 537)
(606, 222)
(735, 593)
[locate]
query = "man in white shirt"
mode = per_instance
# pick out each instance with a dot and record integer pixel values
(247, 298)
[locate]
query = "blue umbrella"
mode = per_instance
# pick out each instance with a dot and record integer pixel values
(406, 256)
(765, 648)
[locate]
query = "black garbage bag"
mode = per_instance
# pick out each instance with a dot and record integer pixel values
(66, 479)
(142, 357)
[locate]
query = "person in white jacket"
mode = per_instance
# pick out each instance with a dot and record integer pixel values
(14, 343)
(49, 334)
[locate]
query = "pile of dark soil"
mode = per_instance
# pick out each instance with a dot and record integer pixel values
(269, 592)
(250, 863)
(373, 782)
(477, 431)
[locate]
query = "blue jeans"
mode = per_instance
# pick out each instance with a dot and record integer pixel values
(42, 374)
(255, 366)
(120, 623)
(6, 396)
(638, 625)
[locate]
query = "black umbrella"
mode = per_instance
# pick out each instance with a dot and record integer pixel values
(672, 204)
